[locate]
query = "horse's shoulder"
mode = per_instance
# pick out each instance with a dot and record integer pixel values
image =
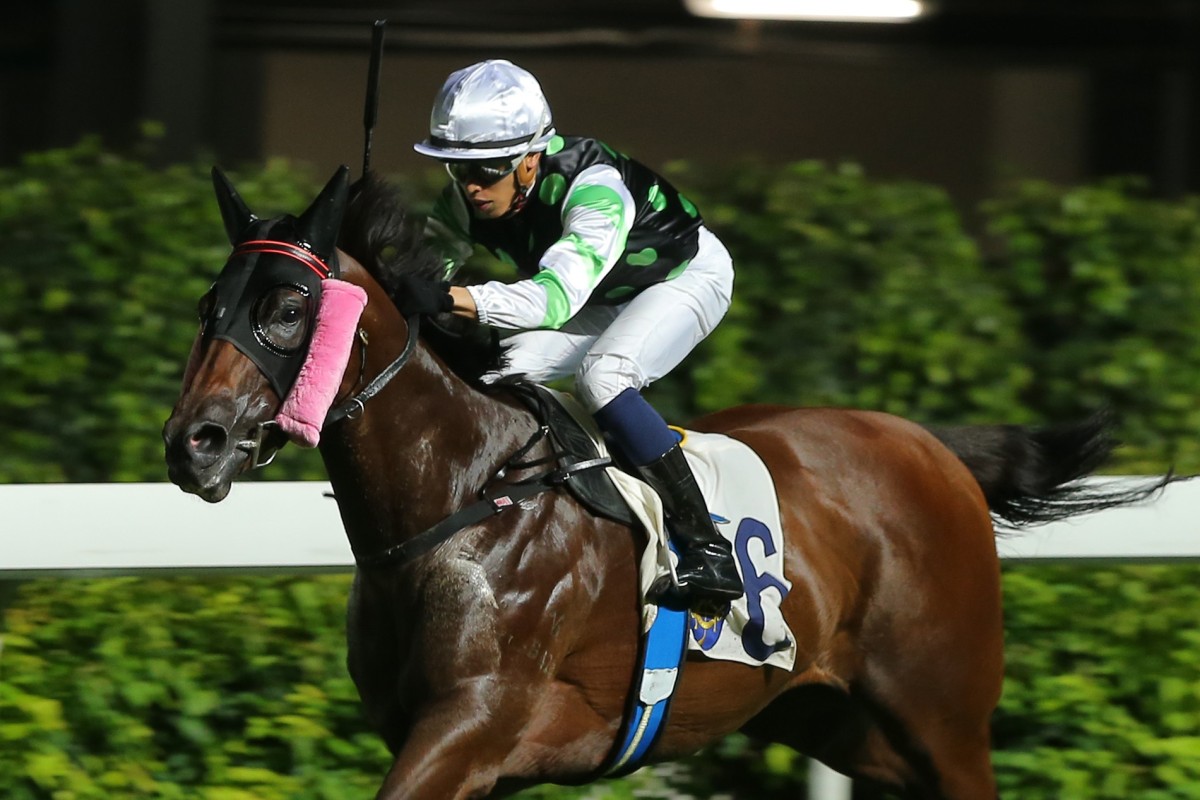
(456, 573)
(535, 542)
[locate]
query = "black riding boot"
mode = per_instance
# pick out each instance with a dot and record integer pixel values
(708, 576)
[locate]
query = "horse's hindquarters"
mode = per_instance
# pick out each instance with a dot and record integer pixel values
(896, 594)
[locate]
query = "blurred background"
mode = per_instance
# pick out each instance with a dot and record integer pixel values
(970, 93)
(985, 212)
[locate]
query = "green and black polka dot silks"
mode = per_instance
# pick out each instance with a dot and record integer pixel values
(661, 224)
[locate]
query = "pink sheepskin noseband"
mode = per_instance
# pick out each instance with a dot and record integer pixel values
(303, 411)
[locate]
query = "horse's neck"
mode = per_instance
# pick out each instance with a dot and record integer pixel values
(422, 448)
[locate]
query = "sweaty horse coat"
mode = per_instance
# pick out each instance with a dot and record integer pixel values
(504, 657)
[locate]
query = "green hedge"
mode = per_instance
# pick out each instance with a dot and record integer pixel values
(235, 689)
(854, 292)
(1102, 688)
(850, 292)
(1107, 282)
(161, 688)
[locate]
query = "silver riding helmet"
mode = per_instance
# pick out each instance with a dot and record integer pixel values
(493, 109)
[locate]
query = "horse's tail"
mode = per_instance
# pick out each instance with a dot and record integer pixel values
(1031, 475)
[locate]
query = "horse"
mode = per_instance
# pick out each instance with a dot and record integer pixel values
(502, 656)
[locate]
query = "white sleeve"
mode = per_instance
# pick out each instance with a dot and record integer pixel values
(597, 213)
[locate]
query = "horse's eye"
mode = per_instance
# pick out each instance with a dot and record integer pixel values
(279, 319)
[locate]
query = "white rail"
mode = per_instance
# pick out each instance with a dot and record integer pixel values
(136, 528)
(85, 530)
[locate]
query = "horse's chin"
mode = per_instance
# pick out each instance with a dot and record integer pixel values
(213, 483)
(214, 494)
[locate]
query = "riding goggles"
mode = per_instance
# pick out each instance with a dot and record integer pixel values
(484, 172)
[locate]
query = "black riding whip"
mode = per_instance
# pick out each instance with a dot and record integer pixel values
(371, 111)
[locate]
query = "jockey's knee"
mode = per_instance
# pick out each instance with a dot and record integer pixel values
(603, 376)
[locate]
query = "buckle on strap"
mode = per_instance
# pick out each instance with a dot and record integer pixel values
(563, 475)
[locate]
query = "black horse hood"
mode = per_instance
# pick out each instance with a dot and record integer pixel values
(297, 253)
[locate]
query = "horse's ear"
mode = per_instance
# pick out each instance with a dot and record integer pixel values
(319, 225)
(234, 211)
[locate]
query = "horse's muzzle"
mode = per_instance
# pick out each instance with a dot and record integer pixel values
(200, 457)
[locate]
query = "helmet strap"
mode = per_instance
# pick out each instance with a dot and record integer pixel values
(522, 191)
(521, 196)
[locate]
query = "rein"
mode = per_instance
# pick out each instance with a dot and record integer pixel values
(351, 408)
(508, 495)
(489, 504)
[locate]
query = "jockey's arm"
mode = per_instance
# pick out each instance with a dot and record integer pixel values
(597, 214)
(464, 303)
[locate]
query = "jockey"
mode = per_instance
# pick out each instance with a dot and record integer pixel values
(619, 281)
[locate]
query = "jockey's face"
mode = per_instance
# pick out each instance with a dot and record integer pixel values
(494, 200)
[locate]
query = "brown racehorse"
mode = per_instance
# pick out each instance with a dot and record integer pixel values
(503, 657)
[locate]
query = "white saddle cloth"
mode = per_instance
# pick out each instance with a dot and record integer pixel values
(742, 500)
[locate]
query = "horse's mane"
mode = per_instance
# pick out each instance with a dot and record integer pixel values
(381, 235)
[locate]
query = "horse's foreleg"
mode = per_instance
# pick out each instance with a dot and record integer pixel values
(457, 747)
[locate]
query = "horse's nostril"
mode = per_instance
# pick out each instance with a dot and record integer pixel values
(207, 439)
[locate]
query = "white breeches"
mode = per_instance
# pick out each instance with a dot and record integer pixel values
(613, 348)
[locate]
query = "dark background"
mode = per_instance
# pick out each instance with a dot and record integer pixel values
(977, 92)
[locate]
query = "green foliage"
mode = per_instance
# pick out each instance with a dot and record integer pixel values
(850, 292)
(1102, 688)
(155, 688)
(237, 688)
(1107, 282)
(855, 293)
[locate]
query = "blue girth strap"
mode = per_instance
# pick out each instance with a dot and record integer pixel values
(662, 660)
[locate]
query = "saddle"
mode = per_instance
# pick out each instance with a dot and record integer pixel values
(573, 444)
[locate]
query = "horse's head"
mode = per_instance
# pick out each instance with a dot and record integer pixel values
(256, 323)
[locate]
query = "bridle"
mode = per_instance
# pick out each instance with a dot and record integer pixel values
(262, 445)
(497, 495)
(353, 407)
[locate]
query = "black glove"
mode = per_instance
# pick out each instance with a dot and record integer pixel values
(415, 295)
